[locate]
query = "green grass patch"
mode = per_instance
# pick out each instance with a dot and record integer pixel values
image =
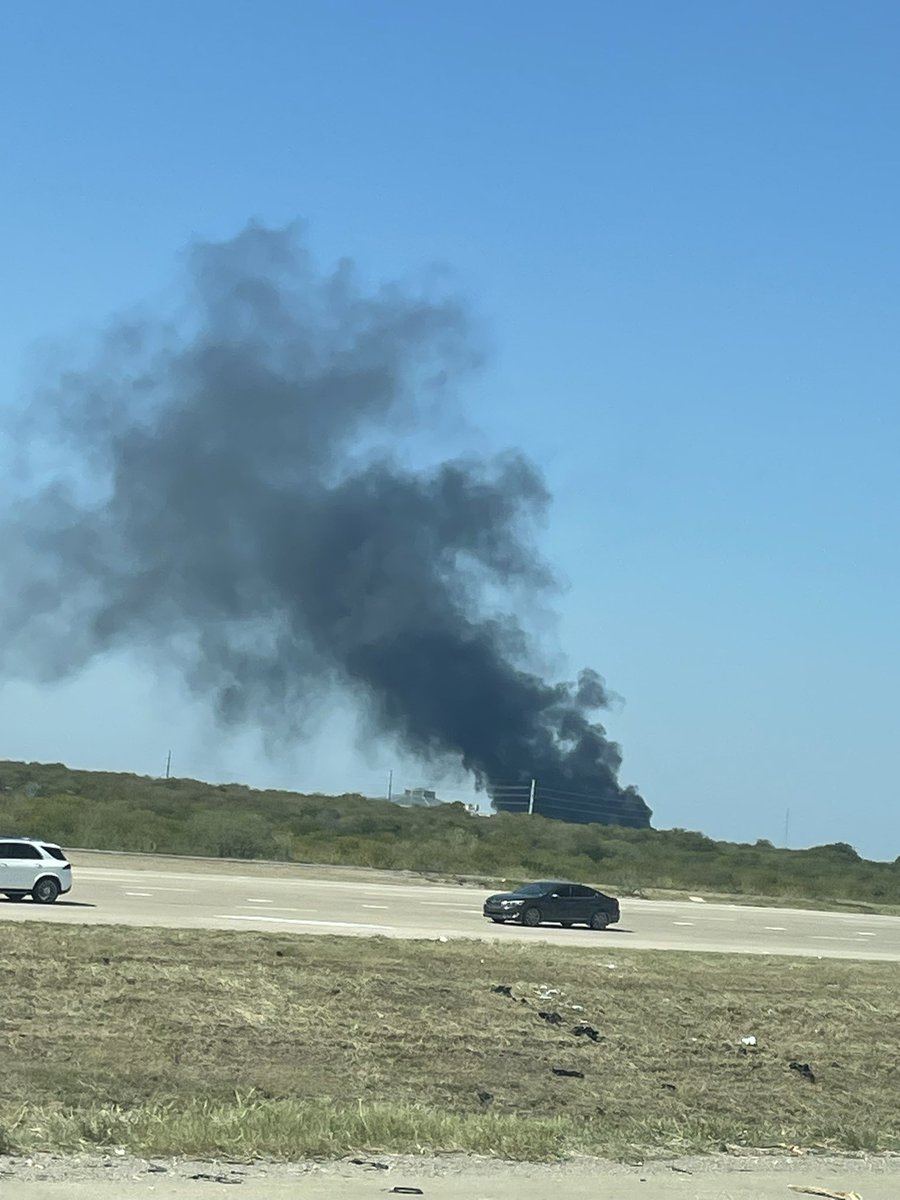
(247, 1044)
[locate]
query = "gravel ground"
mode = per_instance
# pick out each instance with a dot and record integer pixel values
(727, 1177)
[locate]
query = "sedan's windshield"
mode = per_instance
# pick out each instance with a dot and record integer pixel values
(534, 889)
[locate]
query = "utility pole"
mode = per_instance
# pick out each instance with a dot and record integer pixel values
(787, 826)
(390, 794)
(531, 799)
(168, 763)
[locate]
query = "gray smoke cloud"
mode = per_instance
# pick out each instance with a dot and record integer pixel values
(229, 501)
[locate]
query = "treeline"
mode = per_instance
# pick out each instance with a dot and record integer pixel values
(109, 811)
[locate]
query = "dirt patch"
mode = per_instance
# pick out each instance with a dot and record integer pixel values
(448, 1178)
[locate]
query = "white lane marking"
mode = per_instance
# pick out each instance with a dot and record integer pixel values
(279, 908)
(824, 937)
(375, 906)
(299, 921)
(144, 895)
(775, 929)
(253, 900)
(443, 904)
(682, 922)
(864, 933)
(185, 891)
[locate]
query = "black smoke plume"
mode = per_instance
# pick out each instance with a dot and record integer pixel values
(229, 502)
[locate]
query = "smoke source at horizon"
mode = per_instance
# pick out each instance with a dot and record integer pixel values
(226, 501)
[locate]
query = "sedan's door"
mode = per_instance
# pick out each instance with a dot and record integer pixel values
(565, 904)
(553, 905)
(584, 902)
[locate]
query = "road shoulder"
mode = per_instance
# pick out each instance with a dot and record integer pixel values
(450, 1177)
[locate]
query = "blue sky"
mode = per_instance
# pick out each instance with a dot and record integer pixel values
(678, 224)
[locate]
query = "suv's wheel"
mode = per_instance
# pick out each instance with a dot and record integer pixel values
(45, 891)
(531, 917)
(599, 920)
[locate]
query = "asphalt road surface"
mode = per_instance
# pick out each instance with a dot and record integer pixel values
(210, 894)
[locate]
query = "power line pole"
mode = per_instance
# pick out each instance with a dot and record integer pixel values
(390, 794)
(787, 826)
(531, 799)
(168, 763)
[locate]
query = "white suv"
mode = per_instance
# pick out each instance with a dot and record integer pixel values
(29, 867)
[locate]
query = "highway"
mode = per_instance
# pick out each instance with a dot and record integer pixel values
(211, 894)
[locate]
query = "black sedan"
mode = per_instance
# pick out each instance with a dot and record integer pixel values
(556, 901)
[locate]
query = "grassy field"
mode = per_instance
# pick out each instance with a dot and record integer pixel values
(182, 816)
(244, 1045)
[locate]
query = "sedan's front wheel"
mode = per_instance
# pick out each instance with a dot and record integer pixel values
(531, 917)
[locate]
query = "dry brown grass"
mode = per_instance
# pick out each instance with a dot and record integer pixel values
(265, 1044)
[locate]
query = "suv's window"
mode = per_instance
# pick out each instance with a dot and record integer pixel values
(6, 850)
(54, 852)
(23, 850)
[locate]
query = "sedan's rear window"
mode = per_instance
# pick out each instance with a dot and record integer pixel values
(54, 852)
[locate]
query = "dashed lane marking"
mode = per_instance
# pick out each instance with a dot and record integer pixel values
(280, 908)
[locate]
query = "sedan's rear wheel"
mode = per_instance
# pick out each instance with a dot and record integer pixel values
(599, 920)
(531, 917)
(45, 891)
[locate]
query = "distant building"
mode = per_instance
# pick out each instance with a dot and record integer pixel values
(418, 798)
(426, 798)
